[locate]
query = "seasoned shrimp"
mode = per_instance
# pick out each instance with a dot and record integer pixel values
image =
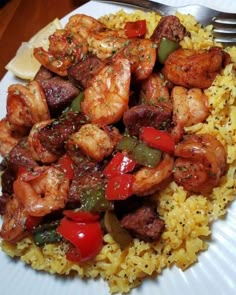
(83, 24)
(106, 98)
(154, 90)
(192, 68)
(37, 150)
(94, 142)
(200, 164)
(13, 226)
(65, 48)
(107, 43)
(26, 105)
(141, 54)
(148, 180)
(42, 190)
(9, 136)
(189, 107)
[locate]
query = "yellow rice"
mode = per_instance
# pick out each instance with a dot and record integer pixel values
(188, 218)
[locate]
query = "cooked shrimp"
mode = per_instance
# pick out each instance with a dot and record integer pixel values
(105, 44)
(26, 105)
(141, 54)
(154, 90)
(9, 136)
(94, 142)
(201, 163)
(107, 96)
(192, 68)
(83, 24)
(65, 48)
(42, 190)
(37, 150)
(13, 226)
(189, 107)
(148, 180)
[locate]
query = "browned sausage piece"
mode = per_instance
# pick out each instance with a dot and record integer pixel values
(53, 135)
(158, 116)
(43, 74)
(82, 72)
(169, 27)
(59, 94)
(144, 224)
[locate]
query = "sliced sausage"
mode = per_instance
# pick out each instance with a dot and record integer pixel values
(169, 27)
(82, 72)
(59, 94)
(158, 116)
(53, 135)
(144, 224)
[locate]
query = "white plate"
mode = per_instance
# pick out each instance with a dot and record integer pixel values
(215, 272)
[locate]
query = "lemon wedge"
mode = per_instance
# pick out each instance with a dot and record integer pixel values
(24, 65)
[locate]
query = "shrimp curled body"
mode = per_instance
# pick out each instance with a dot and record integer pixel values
(148, 180)
(64, 49)
(37, 150)
(83, 24)
(107, 97)
(13, 226)
(195, 68)
(42, 190)
(200, 164)
(94, 142)
(104, 44)
(9, 136)
(26, 105)
(190, 106)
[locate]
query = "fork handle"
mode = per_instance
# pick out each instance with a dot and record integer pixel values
(204, 15)
(162, 9)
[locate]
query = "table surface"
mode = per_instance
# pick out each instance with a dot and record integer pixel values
(21, 19)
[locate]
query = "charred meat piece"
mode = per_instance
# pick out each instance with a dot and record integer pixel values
(82, 72)
(53, 135)
(87, 174)
(20, 155)
(43, 74)
(59, 94)
(158, 116)
(170, 28)
(3, 201)
(144, 224)
(7, 178)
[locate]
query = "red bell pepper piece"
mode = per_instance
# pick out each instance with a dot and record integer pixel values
(135, 29)
(86, 237)
(158, 139)
(22, 170)
(66, 165)
(32, 221)
(118, 165)
(73, 253)
(81, 216)
(119, 187)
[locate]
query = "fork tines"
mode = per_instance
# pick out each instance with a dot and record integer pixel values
(225, 28)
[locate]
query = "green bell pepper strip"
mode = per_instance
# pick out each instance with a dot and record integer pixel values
(126, 143)
(46, 234)
(145, 155)
(119, 234)
(94, 200)
(166, 47)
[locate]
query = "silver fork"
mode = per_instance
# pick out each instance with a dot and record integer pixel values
(224, 24)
